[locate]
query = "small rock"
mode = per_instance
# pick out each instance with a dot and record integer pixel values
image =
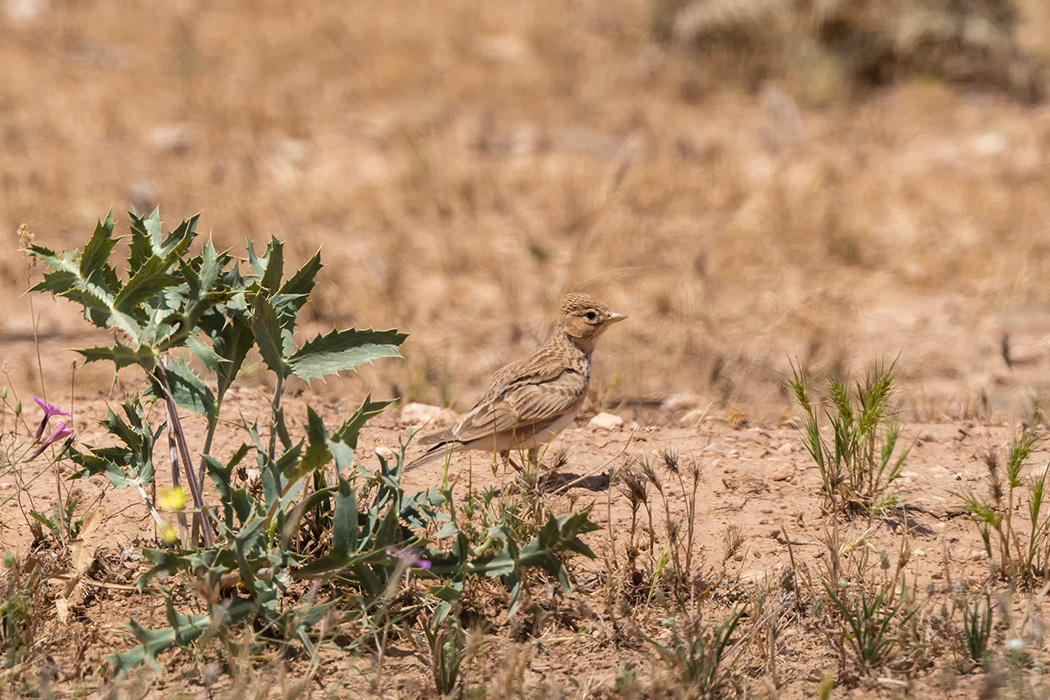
(754, 576)
(415, 415)
(26, 11)
(783, 474)
(958, 476)
(143, 195)
(170, 138)
(681, 402)
(504, 48)
(130, 554)
(608, 421)
(787, 448)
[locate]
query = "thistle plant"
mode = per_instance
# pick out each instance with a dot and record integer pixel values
(188, 321)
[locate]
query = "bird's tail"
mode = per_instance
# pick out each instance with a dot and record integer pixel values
(440, 451)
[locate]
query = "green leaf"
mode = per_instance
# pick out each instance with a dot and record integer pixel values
(317, 453)
(94, 261)
(296, 290)
(134, 459)
(188, 390)
(121, 355)
(155, 641)
(231, 337)
(148, 280)
(343, 350)
(205, 353)
(269, 266)
(343, 442)
(96, 465)
(268, 336)
(147, 238)
(212, 263)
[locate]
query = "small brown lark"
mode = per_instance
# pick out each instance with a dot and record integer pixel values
(529, 401)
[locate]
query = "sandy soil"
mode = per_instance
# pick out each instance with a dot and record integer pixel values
(757, 480)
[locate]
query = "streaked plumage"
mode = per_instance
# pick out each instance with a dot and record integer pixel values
(528, 401)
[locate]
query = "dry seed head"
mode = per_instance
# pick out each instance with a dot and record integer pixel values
(991, 460)
(633, 487)
(732, 540)
(693, 628)
(670, 457)
(476, 639)
(25, 237)
(674, 529)
(649, 473)
(694, 471)
(558, 460)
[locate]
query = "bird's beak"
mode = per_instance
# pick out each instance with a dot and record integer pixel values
(614, 317)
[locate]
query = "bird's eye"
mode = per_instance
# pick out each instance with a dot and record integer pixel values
(591, 316)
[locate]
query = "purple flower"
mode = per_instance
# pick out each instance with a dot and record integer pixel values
(409, 557)
(49, 411)
(61, 432)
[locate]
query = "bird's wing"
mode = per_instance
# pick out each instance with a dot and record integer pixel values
(520, 395)
(522, 406)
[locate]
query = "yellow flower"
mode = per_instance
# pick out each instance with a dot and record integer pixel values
(168, 534)
(172, 499)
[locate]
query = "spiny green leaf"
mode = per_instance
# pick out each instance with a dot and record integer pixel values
(269, 266)
(121, 355)
(148, 280)
(317, 453)
(297, 289)
(231, 342)
(205, 353)
(155, 641)
(343, 350)
(147, 238)
(212, 263)
(347, 433)
(268, 336)
(188, 390)
(94, 260)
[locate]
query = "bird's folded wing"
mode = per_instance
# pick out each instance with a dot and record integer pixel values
(522, 407)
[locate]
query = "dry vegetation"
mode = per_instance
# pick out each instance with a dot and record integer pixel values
(463, 164)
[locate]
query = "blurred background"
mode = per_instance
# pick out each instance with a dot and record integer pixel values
(756, 183)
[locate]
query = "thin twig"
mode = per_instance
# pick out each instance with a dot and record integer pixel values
(598, 469)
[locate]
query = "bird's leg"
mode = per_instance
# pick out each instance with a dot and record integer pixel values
(505, 454)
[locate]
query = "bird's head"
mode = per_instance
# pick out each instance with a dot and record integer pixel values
(584, 318)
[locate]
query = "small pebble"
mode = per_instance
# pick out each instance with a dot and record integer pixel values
(606, 421)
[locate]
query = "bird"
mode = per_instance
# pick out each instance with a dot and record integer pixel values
(530, 400)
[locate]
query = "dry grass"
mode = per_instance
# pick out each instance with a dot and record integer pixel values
(465, 165)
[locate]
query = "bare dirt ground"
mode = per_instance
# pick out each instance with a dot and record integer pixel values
(758, 481)
(463, 165)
